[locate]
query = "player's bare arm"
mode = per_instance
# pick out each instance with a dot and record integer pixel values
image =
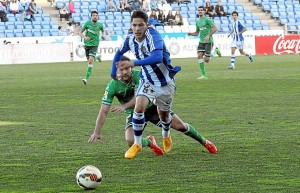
(83, 35)
(102, 34)
(193, 33)
(122, 108)
(99, 123)
(230, 33)
(244, 29)
(213, 30)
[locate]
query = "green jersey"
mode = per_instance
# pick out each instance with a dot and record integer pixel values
(204, 25)
(92, 30)
(124, 92)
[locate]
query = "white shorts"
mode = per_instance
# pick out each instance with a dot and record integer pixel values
(162, 97)
(237, 44)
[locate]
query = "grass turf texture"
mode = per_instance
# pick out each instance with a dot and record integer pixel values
(251, 114)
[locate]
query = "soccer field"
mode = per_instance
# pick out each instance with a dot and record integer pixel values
(251, 114)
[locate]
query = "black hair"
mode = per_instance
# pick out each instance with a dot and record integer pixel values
(139, 14)
(124, 58)
(201, 7)
(235, 12)
(94, 12)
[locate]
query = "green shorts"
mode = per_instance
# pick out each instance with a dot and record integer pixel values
(90, 51)
(206, 48)
(151, 115)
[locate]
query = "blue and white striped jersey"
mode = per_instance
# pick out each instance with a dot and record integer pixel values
(153, 57)
(237, 27)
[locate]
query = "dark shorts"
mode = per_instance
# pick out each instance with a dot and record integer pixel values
(151, 115)
(206, 48)
(90, 51)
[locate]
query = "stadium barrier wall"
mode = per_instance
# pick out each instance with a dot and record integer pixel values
(178, 48)
(289, 44)
(59, 48)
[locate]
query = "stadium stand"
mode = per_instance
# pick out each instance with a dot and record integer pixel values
(256, 15)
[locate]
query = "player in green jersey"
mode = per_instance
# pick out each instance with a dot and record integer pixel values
(124, 89)
(205, 27)
(90, 32)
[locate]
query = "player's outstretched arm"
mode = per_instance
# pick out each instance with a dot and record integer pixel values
(193, 33)
(122, 108)
(99, 123)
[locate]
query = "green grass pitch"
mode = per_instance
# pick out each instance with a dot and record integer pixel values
(252, 114)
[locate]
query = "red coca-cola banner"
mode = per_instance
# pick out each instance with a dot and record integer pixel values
(277, 44)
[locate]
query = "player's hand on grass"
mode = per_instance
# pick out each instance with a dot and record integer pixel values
(117, 109)
(95, 137)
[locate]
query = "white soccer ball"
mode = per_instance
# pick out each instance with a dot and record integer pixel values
(89, 177)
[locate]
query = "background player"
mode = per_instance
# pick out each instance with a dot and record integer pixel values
(90, 32)
(237, 39)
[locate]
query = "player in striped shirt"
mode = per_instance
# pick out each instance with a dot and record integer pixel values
(123, 88)
(237, 39)
(157, 83)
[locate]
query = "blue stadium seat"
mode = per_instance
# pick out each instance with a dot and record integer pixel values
(94, 4)
(18, 32)
(38, 17)
(126, 24)
(266, 7)
(27, 33)
(59, 4)
(39, 10)
(54, 32)
(45, 32)
(37, 26)
(102, 6)
(2, 34)
(28, 26)
(46, 17)
(77, 3)
(36, 32)
(54, 25)
(283, 19)
(257, 26)
(292, 28)
(118, 16)
(76, 18)
(84, 3)
(257, 2)
(84, 18)
(275, 14)
(9, 33)
(19, 25)
(109, 15)
(291, 19)
(10, 25)
(109, 24)
(11, 17)
(118, 24)
(45, 25)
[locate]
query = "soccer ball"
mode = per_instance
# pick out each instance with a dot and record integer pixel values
(89, 177)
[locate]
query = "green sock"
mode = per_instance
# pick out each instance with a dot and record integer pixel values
(191, 132)
(202, 68)
(218, 52)
(88, 71)
(212, 56)
(146, 142)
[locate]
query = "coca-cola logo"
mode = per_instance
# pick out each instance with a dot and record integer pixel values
(289, 46)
